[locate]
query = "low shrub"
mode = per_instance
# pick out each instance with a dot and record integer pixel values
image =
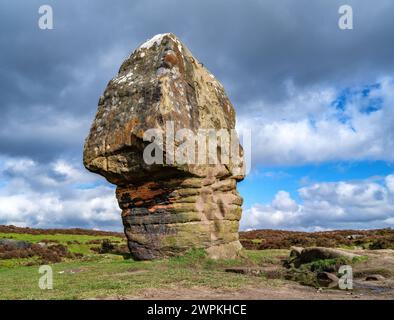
(108, 247)
(49, 254)
(381, 244)
(280, 239)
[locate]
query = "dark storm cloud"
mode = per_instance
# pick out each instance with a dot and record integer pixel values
(50, 81)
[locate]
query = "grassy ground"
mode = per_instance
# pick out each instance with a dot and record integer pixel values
(75, 244)
(99, 276)
(87, 274)
(102, 275)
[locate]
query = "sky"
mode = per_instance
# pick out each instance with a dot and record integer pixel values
(319, 102)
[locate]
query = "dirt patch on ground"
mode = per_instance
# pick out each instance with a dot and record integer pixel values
(74, 270)
(130, 272)
(286, 291)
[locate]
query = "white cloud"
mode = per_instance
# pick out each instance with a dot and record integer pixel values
(390, 183)
(52, 196)
(283, 202)
(71, 173)
(332, 205)
(307, 128)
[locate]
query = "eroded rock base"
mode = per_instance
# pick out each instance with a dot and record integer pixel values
(168, 217)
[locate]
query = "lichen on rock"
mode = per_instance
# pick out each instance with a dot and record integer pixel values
(168, 207)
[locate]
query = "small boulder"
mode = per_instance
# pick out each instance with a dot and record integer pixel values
(374, 277)
(295, 252)
(354, 236)
(319, 253)
(327, 280)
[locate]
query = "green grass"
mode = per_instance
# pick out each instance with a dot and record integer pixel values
(65, 239)
(359, 259)
(257, 241)
(271, 256)
(83, 247)
(326, 264)
(98, 275)
(12, 263)
(108, 275)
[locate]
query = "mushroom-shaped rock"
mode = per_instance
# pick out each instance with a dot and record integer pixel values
(164, 134)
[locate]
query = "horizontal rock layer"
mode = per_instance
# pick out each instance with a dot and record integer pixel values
(165, 218)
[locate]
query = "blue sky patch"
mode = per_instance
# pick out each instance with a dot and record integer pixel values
(263, 183)
(362, 97)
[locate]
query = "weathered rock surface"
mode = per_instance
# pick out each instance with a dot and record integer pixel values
(374, 277)
(295, 252)
(327, 280)
(319, 253)
(170, 207)
(299, 255)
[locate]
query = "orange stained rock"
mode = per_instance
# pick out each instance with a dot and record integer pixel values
(146, 191)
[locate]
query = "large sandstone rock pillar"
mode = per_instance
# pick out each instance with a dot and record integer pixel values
(168, 207)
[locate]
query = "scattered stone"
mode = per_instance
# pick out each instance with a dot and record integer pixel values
(375, 277)
(355, 236)
(47, 244)
(327, 280)
(246, 270)
(170, 207)
(270, 272)
(77, 270)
